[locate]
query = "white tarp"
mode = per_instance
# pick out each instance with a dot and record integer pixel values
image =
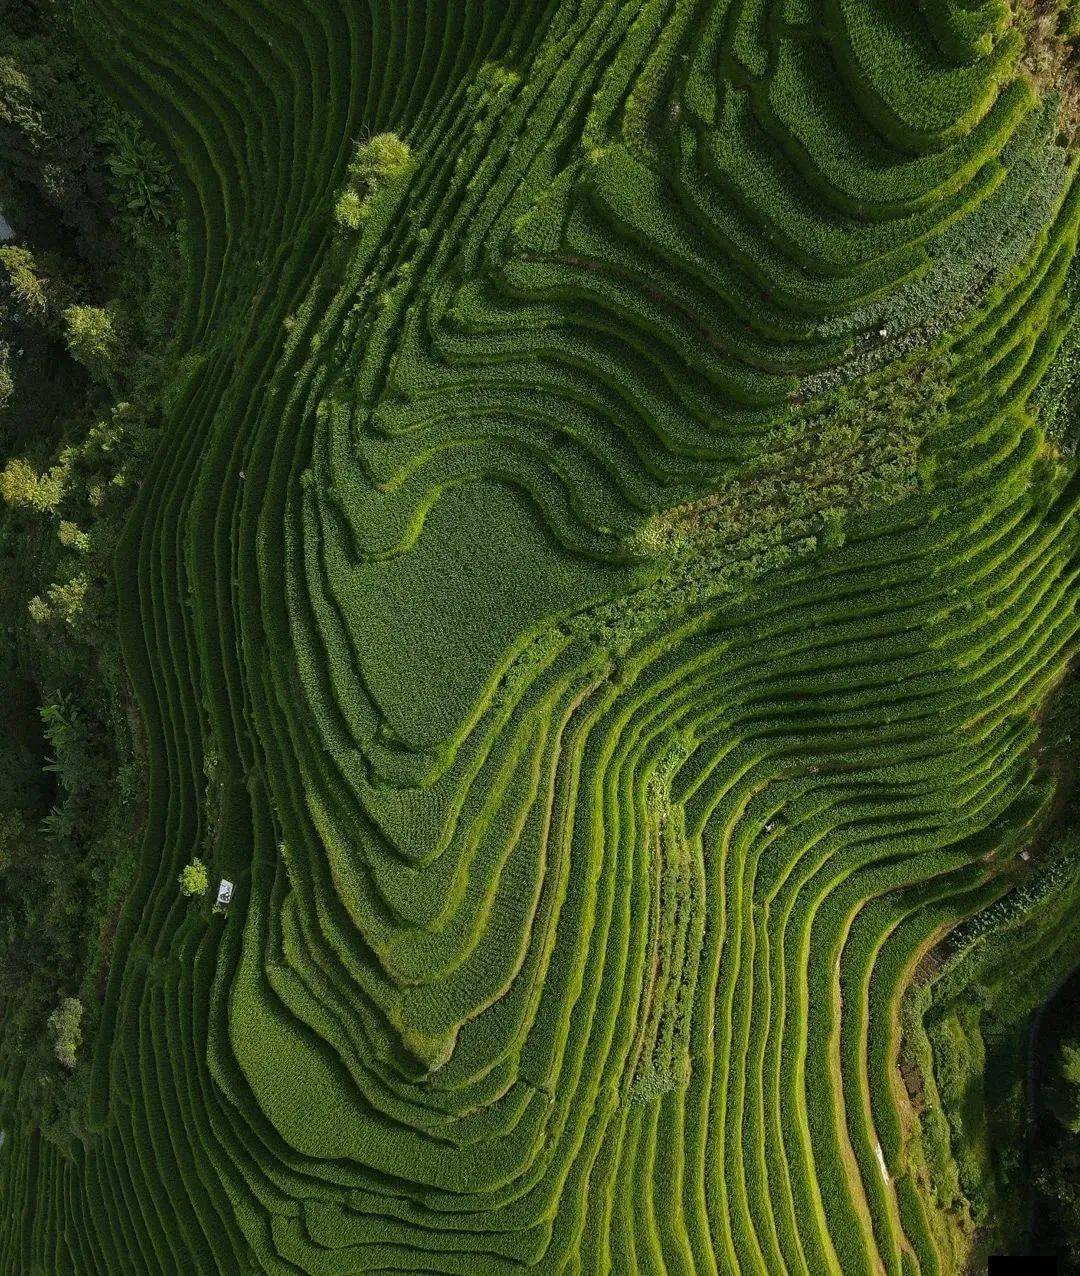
(5, 229)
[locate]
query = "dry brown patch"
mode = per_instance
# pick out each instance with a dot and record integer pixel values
(1052, 59)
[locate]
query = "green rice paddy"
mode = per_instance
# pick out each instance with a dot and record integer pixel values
(596, 596)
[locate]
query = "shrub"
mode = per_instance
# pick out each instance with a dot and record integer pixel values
(65, 1028)
(194, 879)
(350, 211)
(140, 178)
(379, 161)
(92, 338)
(374, 165)
(70, 737)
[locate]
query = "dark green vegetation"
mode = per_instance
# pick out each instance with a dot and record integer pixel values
(79, 417)
(1054, 1140)
(571, 506)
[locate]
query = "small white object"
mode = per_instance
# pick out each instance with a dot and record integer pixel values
(224, 893)
(1025, 855)
(881, 1161)
(883, 332)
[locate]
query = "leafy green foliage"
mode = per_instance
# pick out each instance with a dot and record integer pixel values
(194, 879)
(72, 538)
(376, 164)
(1064, 1088)
(378, 161)
(93, 338)
(350, 210)
(96, 260)
(142, 185)
(72, 760)
(64, 601)
(22, 487)
(7, 380)
(812, 471)
(1059, 1182)
(22, 277)
(65, 1028)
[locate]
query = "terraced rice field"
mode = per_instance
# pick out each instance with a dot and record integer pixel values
(595, 598)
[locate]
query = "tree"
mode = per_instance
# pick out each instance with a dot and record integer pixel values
(24, 279)
(72, 537)
(12, 835)
(194, 879)
(7, 381)
(65, 1028)
(38, 609)
(66, 601)
(1063, 1097)
(22, 485)
(92, 338)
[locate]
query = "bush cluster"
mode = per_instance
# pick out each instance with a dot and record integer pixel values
(375, 165)
(194, 879)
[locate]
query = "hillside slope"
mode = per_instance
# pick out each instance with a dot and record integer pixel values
(610, 550)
